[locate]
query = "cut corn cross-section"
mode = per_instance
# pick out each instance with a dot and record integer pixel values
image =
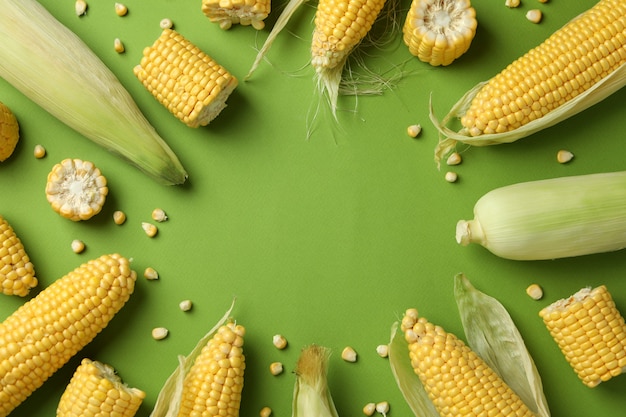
(9, 132)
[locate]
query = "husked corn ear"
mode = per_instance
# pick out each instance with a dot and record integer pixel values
(96, 391)
(45, 332)
(17, 273)
(439, 31)
(457, 380)
(244, 12)
(214, 383)
(590, 332)
(569, 62)
(9, 132)
(189, 83)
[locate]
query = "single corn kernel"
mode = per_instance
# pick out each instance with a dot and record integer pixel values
(166, 23)
(39, 151)
(382, 407)
(534, 15)
(534, 291)
(159, 333)
(150, 274)
(121, 9)
(349, 354)
(369, 409)
(512, 3)
(563, 156)
(543, 1)
(414, 130)
(78, 246)
(159, 215)
(118, 46)
(276, 368)
(382, 350)
(451, 176)
(119, 217)
(265, 412)
(150, 229)
(279, 341)
(80, 6)
(454, 159)
(185, 305)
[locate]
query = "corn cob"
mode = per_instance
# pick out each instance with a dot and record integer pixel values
(9, 132)
(590, 332)
(438, 32)
(189, 83)
(17, 273)
(244, 12)
(457, 380)
(45, 332)
(576, 67)
(96, 391)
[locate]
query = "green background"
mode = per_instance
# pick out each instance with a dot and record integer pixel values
(325, 238)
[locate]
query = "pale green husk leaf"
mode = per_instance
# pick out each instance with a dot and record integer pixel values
(311, 395)
(169, 398)
(54, 68)
(491, 333)
(408, 382)
(448, 138)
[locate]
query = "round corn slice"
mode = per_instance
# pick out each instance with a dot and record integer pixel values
(9, 132)
(76, 189)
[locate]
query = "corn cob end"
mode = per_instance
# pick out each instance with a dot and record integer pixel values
(9, 132)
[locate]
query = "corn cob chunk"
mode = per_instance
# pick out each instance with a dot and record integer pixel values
(245, 12)
(9, 132)
(590, 332)
(96, 391)
(45, 332)
(17, 273)
(568, 63)
(189, 83)
(438, 32)
(214, 383)
(457, 380)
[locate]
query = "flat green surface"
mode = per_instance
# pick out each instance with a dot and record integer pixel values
(325, 239)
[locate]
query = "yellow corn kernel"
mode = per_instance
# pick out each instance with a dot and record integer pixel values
(276, 368)
(9, 132)
(279, 341)
(166, 23)
(348, 354)
(534, 291)
(569, 62)
(185, 305)
(17, 273)
(76, 189)
(159, 215)
(121, 9)
(150, 274)
(80, 7)
(534, 15)
(39, 151)
(456, 379)
(149, 229)
(118, 46)
(229, 12)
(590, 332)
(369, 409)
(160, 333)
(438, 32)
(454, 159)
(78, 246)
(119, 217)
(45, 332)
(214, 383)
(189, 83)
(95, 390)
(414, 130)
(265, 412)
(564, 156)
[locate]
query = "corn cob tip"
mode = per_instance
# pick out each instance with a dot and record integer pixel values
(17, 273)
(9, 132)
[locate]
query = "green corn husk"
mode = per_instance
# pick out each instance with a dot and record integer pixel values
(311, 395)
(54, 68)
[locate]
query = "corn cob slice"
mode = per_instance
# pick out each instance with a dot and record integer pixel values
(17, 273)
(576, 67)
(457, 380)
(96, 391)
(9, 132)
(244, 12)
(590, 332)
(438, 32)
(189, 83)
(45, 332)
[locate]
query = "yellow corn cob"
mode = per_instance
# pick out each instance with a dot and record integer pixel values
(45, 332)
(9, 132)
(568, 63)
(189, 83)
(439, 31)
(244, 12)
(214, 383)
(458, 382)
(96, 391)
(17, 274)
(590, 332)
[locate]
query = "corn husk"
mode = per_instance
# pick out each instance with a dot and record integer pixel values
(448, 138)
(311, 395)
(54, 68)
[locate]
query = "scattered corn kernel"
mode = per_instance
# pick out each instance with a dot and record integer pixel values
(185, 305)
(150, 229)
(349, 354)
(382, 407)
(564, 156)
(39, 151)
(454, 159)
(534, 15)
(81, 7)
(534, 291)
(78, 246)
(150, 274)
(414, 130)
(451, 176)
(119, 217)
(382, 350)
(159, 333)
(118, 46)
(166, 23)
(369, 409)
(279, 341)
(276, 368)
(265, 412)
(159, 215)
(512, 3)
(121, 9)
(543, 1)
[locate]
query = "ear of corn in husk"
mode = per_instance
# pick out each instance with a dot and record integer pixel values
(54, 68)
(576, 67)
(17, 273)
(311, 395)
